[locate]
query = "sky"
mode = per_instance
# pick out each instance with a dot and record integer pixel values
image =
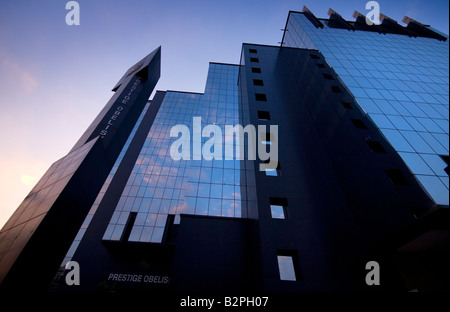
(55, 78)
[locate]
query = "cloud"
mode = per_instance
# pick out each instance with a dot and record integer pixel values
(28, 180)
(19, 175)
(14, 73)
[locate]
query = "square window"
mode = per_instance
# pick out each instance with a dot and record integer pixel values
(252, 51)
(277, 212)
(397, 177)
(278, 207)
(263, 115)
(328, 76)
(261, 97)
(347, 105)
(336, 89)
(375, 146)
(254, 60)
(288, 265)
(314, 56)
(256, 70)
(358, 123)
(258, 82)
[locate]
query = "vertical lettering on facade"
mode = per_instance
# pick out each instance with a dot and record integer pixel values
(119, 109)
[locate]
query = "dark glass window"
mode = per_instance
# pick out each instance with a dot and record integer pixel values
(261, 97)
(397, 177)
(328, 76)
(336, 89)
(347, 105)
(314, 56)
(258, 82)
(320, 65)
(254, 60)
(358, 123)
(263, 115)
(256, 70)
(375, 146)
(252, 51)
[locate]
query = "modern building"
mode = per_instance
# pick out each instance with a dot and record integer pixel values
(399, 77)
(358, 116)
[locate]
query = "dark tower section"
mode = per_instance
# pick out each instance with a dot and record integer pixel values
(35, 239)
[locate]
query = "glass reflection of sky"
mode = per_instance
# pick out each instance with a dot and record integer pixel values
(286, 268)
(277, 212)
(402, 83)
(159, 186)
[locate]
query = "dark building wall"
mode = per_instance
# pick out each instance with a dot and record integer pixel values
(248, 188)
(340, 200)
(216, 254)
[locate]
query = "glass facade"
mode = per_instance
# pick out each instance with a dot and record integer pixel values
(401, 82)
(160, 186)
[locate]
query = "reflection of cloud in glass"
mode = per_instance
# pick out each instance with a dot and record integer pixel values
(228, 208)
(162, 152)
(215, 207)
(228, 191)
(173, 171)
(148, 179)
(228, 212)
(165, 205)
(162, 186)
(151, 219)
(205, 174)
(185, 208)
(142, 160)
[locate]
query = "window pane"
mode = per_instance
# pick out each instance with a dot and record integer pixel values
(277, 212)
(286, 268)
(271, 172)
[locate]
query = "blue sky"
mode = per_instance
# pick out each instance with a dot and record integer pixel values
(55, 78)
